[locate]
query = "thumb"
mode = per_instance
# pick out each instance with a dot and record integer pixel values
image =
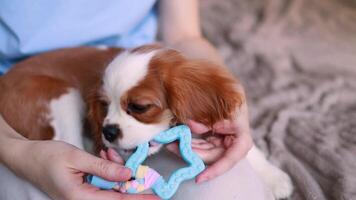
(110, 195)
(174, 148)
(196, 127)
(103, 168)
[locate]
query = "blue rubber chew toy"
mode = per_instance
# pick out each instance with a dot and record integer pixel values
(147, 178)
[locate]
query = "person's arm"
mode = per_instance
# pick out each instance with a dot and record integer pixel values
(180, 28)
(58, 168)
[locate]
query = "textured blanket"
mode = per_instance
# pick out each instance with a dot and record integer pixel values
(297, 61)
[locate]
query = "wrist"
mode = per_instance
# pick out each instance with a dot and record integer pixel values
(12, 146)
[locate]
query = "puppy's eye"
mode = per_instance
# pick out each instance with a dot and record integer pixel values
(137, 108)
(105, 106)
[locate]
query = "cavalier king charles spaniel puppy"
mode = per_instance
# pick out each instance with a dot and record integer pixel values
(125, 96)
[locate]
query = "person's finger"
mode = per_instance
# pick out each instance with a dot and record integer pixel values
(201, 144)
(229, 140)
(205, 146)
(103, 155)
(139, 197)
(198, 141)
(221, 127)
(114, 156)
(197, 128)
(95, 194)
(174, 148)
(216, 141)
(225, 127)
(210, 155)
(111, 171)
(232, 155)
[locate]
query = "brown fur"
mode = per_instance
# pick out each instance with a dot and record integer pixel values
(190, 89)
(29, 86)
(97, 110)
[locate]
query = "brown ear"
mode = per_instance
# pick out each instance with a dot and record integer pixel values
(95, 116)
(202, 91)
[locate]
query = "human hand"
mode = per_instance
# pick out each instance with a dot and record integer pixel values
(59, 169)
(229, 143)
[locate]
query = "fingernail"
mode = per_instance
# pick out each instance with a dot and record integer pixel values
(114, 153)
(127, 170)
(125, 173)
(202, 179)
(116, 187)
(103, 154)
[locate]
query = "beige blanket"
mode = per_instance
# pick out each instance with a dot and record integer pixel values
(297, 60)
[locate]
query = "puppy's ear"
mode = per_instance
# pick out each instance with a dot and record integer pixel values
(97, 109)
(202, 91)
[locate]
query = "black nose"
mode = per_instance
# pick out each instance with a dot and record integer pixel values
(111, 132)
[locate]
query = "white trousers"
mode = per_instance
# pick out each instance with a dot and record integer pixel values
(240, 183)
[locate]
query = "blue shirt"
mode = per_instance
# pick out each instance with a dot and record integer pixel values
(28, 27)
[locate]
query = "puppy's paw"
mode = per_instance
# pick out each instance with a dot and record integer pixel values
(279, 182)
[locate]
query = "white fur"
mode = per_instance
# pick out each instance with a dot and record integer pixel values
(66, 115)
(125, 72)
(277, 180)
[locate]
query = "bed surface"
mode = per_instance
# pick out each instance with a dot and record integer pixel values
(297, 60)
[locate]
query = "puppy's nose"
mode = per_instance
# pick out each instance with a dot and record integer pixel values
(111, 132)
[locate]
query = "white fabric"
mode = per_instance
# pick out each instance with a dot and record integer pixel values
(240, 183)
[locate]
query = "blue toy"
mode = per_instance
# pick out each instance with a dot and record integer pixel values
(145, 177)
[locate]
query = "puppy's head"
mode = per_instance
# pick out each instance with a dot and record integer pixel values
(146, 90)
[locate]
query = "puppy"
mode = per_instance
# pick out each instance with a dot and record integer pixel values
(126, 96)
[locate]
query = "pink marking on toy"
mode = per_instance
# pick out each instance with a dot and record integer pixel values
(122, 189)
(151, 178)
(134, 184)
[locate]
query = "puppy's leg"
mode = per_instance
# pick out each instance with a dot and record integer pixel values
(277, 180)
(66, 114)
